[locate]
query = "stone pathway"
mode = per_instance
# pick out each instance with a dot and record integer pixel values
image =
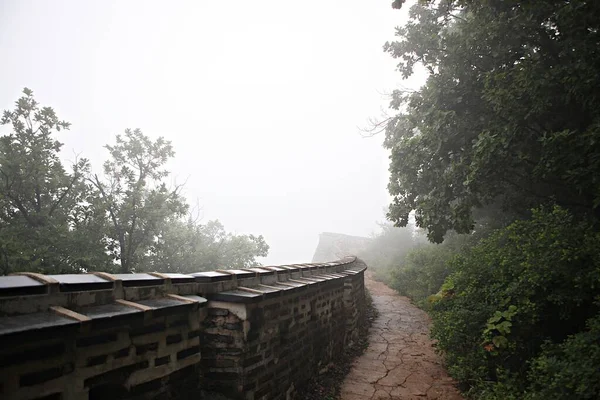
(400, 362)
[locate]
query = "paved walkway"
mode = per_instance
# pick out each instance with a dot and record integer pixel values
(400, 362)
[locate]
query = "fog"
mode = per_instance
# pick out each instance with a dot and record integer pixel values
(263, 101)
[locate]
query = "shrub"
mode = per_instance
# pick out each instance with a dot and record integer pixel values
(422, 272)
(570, 370)
(423, 269)
(532, 283)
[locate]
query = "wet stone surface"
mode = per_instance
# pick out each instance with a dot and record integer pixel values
(400, 362)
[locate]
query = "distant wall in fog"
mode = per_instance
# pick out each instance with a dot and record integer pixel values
(334, 246)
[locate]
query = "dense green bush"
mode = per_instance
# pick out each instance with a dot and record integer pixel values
(412, 266)
(511, 301)
(421, 272)
(570, 370)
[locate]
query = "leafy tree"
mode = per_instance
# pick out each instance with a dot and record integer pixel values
(135, 197)
(223, 249)
(509, 115)
(54, 221)
(39, 198)
(185, 246)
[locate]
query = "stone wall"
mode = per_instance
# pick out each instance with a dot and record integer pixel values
(237, 334)
(332, 246)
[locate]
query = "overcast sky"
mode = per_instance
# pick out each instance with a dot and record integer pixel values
(263, 100)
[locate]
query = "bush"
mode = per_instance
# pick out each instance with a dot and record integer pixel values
(422, 270)
(570, 370)
(510, 298)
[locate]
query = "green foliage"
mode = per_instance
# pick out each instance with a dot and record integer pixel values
(422, 272)
(54, 221)
(45, 227)
(507, 122)
(402, 258)
(190, 247)
(498, 328)
(135, 197)
(569, 370)
(531, 283)
(510, 112)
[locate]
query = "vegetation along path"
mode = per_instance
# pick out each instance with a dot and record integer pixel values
(400, 362)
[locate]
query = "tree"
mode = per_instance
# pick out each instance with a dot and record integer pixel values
(185, 246)
(54, 221)
(135, 197)
(223, 249)
(38, 198)
(509, 115)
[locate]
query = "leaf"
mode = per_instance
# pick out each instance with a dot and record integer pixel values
(500, 341)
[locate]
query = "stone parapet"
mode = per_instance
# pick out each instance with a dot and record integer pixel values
(253, 333)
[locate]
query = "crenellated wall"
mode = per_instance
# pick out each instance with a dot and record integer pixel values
(248, 334)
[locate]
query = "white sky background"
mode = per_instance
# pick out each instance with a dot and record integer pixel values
(263, 100)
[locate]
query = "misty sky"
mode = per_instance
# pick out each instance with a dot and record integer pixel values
(263, 100)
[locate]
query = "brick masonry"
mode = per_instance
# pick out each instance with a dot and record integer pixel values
(248, 334)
